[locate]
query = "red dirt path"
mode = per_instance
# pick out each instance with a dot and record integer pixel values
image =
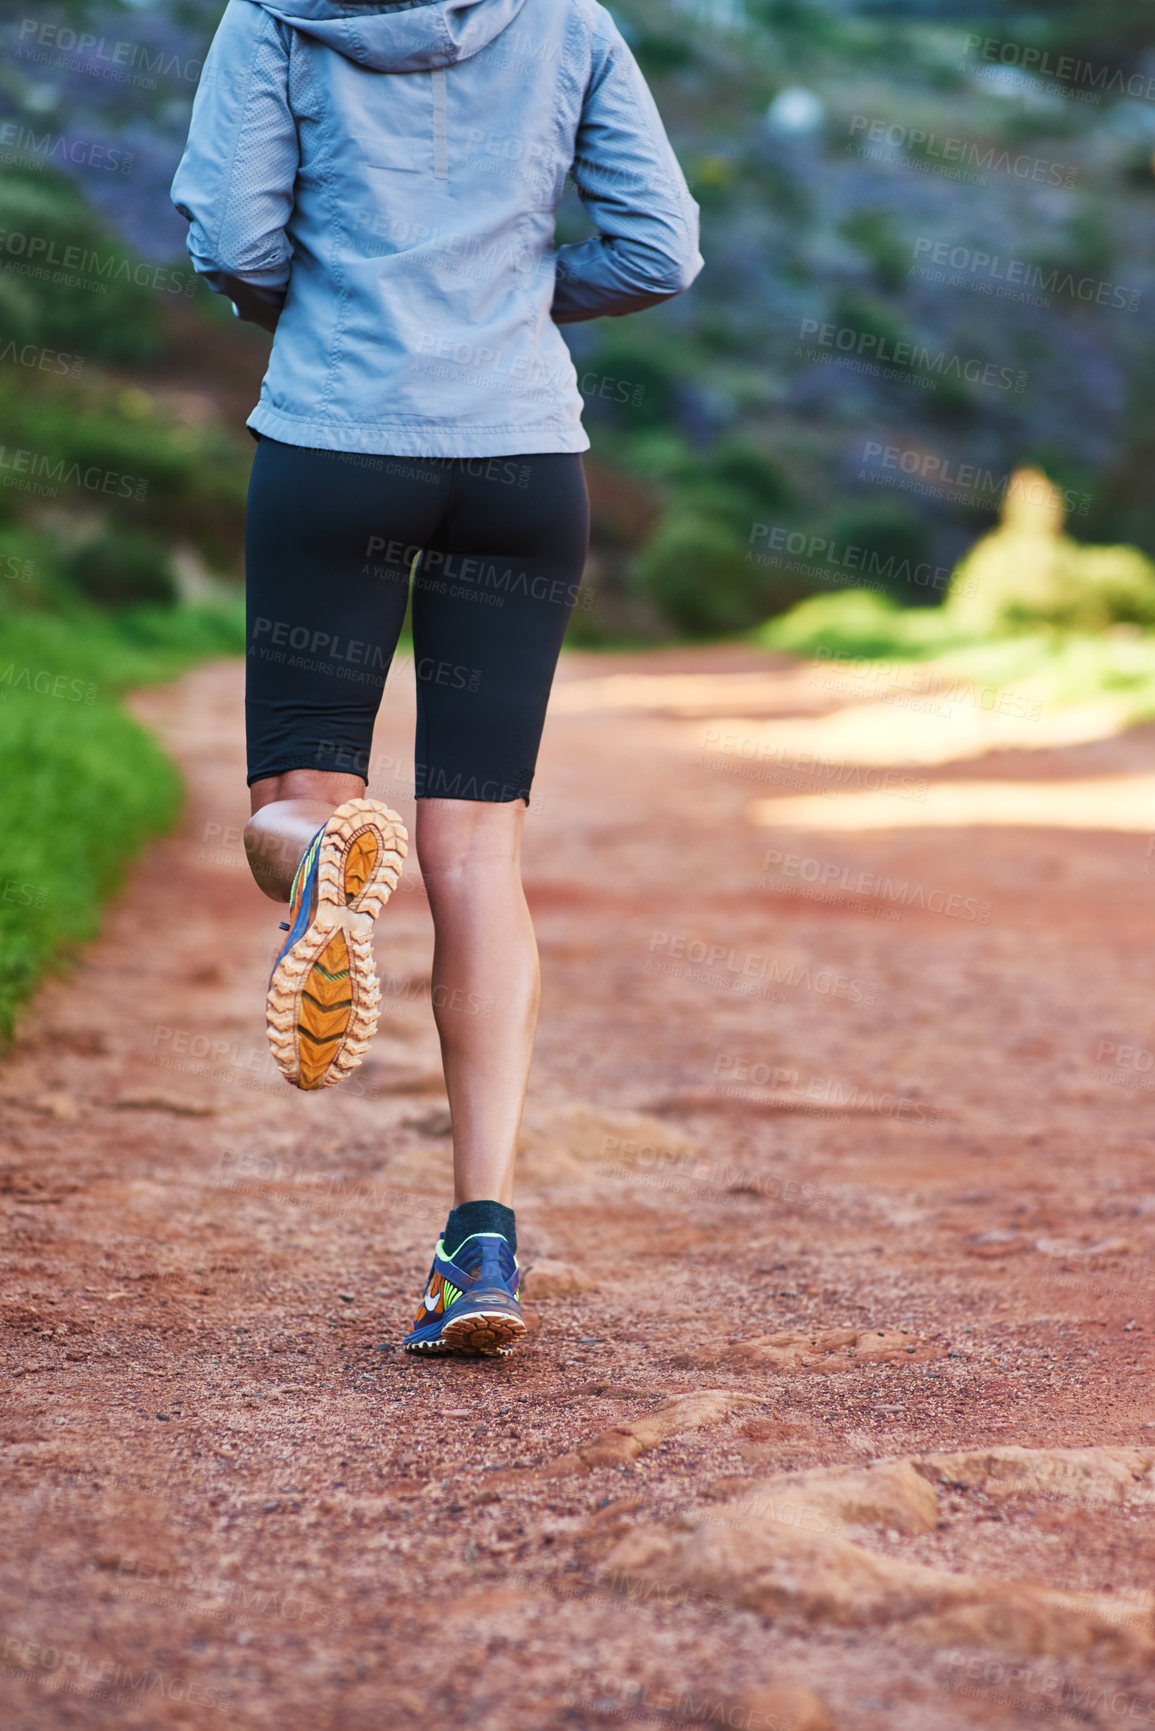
(909, 1140)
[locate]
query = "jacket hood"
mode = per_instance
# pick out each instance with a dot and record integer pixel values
(398, 35)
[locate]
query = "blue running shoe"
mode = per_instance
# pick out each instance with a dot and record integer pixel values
(324, 995)
(470, 1301)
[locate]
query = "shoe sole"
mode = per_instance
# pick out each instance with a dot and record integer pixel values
(324, 996)
(483, 1333)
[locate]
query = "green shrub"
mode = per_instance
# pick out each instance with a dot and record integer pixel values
(114, 453)
(698, 572)
(861, 622)
(877, 238)
(657, 54)
(629, 380)
(699, 567)
(701, 571)
(891, 549)
(1055, 668)
(84, 785)
(753, 477)
(122, 567)
(96, 310)
(870, 317)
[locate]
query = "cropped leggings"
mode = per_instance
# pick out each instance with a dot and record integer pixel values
(492, 549)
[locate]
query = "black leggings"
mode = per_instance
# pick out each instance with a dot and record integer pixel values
(331, 540)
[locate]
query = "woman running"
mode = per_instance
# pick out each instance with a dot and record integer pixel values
(377, 183)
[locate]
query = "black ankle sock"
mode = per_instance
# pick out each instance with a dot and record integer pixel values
(470, 1217)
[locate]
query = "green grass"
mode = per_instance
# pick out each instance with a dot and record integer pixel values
(84, 785)
(1062, 668)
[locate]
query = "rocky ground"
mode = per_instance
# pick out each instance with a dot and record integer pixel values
(836, 1199)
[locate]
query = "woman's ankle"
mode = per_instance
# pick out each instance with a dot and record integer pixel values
(468, 1218)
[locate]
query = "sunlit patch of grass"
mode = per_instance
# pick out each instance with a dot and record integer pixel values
(1059, 668)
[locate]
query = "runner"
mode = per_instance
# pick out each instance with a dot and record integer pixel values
(377, 184)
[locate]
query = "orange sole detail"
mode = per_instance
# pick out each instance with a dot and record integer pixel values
(486, 1334)
(324, 996)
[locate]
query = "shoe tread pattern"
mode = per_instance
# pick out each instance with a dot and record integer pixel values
(324, 996)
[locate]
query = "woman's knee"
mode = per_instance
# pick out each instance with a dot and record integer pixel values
(462, 836)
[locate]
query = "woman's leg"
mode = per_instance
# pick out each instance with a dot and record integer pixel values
(324, 614)
(490, 610)
(485, 982)
(491, 602)
(288, 810)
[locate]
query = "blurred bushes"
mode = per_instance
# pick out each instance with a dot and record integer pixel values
(84, 784)
(699, 565)
(76, 437)
(101, 478)
(876, 235)
(92, 448)
(120, 567)
(95, 308)
(696, 570)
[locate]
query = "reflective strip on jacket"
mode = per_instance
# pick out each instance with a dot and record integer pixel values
(393, 171)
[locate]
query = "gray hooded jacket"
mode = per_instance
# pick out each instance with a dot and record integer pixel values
(391, 171)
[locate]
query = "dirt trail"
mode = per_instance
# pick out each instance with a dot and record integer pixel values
(838, 1153)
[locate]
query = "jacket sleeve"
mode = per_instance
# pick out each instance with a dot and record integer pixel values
(628, 179)
(236, 177)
